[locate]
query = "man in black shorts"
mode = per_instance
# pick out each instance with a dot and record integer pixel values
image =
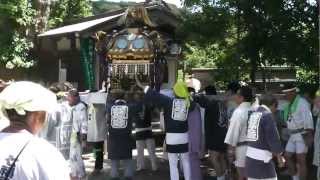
(216, 121)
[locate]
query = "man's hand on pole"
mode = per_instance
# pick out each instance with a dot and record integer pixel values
(281, 161)
(231, 154)
(138, 82)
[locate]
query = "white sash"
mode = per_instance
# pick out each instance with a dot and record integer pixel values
(177, 138)
(259, 154)
(143, 129)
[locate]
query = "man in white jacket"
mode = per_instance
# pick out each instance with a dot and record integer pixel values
(22, 154)
(4, 122)
(236, 135)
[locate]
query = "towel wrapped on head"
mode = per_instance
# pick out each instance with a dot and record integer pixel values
(24, 96)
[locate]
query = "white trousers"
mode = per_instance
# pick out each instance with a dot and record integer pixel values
(173, 163)
(151, 147)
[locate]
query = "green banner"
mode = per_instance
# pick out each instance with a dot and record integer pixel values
(87, 61)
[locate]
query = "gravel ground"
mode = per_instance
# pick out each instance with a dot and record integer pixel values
(162, 174)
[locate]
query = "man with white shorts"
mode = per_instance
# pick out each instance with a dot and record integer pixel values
(316, 154)
(236, 135)
(298, 117)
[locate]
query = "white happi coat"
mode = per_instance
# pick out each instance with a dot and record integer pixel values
(78, 116)
(237, 132)
(316, 156)
(97, 122)
(4, 122)
(57, 129)
(302, 117)
(39, 160)
(61, 130)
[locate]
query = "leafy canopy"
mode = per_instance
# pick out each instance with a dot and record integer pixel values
(19, 25)
(251, 34)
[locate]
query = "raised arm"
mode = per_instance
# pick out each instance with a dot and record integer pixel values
(152, 96)
(138, 82)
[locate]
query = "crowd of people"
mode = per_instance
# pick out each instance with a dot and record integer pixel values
(44, 132)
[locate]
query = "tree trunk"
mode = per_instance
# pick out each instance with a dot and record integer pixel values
(42, 15)
(254, 59)
(254, 66)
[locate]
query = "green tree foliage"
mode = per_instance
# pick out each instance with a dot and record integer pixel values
(22, 20)
(15, 22)
(102, 6)
(66, 11)
(253, 34)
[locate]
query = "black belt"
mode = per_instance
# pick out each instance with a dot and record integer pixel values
(296, 131)
(242, 143)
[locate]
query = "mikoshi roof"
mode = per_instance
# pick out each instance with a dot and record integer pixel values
(98, 20)
(73, 28)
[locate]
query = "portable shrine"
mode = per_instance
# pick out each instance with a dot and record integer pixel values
(109, 49)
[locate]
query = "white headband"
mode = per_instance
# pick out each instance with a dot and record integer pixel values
(27, 96)
(291, 89)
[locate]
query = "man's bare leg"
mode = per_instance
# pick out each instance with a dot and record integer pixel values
(218, 161)
(291, 163)
(302, 166)
(241, 173)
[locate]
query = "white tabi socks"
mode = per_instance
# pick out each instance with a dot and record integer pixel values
(223, 177)
(295, 177)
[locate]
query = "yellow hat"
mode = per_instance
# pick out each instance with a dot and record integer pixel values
(180, 89)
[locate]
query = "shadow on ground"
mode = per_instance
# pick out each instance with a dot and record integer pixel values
(162, 174)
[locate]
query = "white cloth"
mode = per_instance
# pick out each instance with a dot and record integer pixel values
(259, 154)
(302, 117)
(97, 123)
(49, 130)
(173, 163)
(194, 83)
(223, 177)
(316, 155)
(79, 125)
(57, 130)
(76, 163)
(27, 96)
(94, 98)
(64, 129)
(237, 131)
(39, 160)
(296, 144)
(4, 122)
(161, 119)
(71, 120)
(177, 138)
(203, 137)
(80, 118)
(263, 179)
(295, 177)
